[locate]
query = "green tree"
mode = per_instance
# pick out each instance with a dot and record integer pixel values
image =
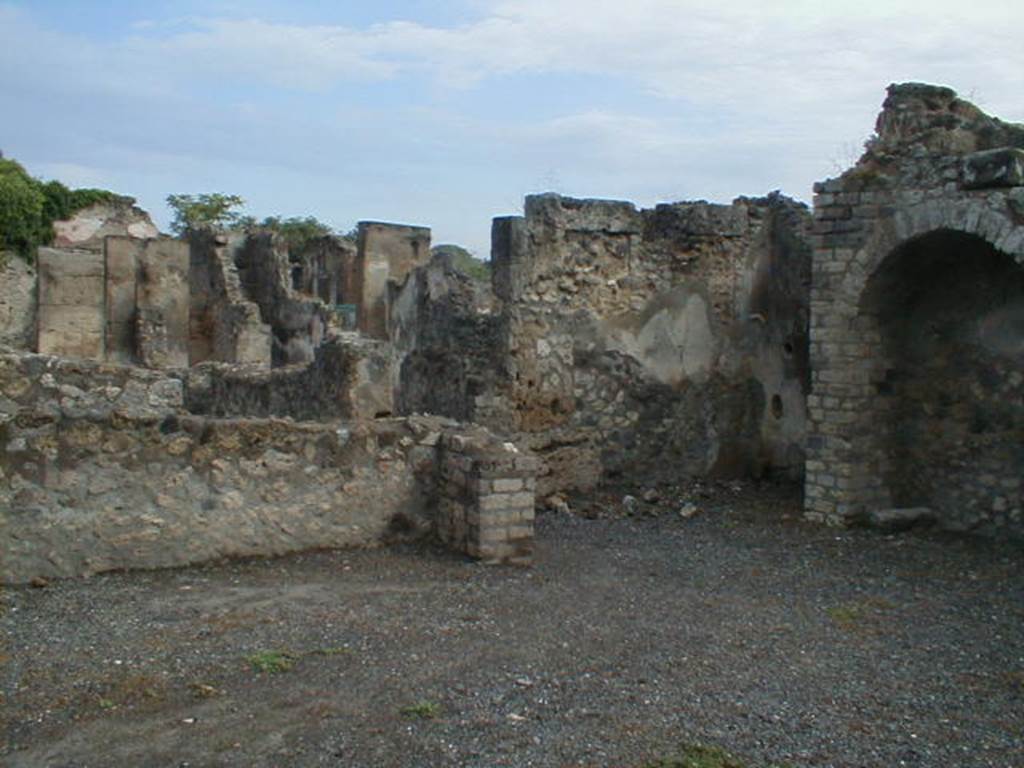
(21, 210)
(464, 261)
(296, 231)
(213, 211)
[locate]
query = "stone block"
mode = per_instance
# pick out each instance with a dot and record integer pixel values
(993, 168)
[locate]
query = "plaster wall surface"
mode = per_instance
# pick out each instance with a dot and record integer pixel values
(17, 302)
(386, 255)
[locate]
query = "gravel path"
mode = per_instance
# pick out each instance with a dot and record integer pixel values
(784, 643)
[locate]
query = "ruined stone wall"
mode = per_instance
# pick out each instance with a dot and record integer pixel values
(298, 323)
(672, 340)
(917, 326)
(17, 302)
(446, 344)
(127, 303)
(326, 268)
(386, 255)
(101, 467)
(71, 319)
(147, 301)
(349, 378)
(224, 325)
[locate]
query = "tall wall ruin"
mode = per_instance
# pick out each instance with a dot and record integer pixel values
(917, 321)
(665, 342)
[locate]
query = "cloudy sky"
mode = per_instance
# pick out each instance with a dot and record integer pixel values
(447, 113)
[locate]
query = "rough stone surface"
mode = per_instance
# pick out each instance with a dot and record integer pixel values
(88, 228)
(668, 340)
(349, 378)
(102, 467)
(17, 302)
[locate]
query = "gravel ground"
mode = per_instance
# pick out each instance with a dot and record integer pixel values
(782, 642)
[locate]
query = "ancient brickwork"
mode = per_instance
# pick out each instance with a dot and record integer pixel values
(917, 320)
(486, 503)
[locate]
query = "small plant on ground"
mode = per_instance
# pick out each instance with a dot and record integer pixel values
(271, 662)
(698, 756)
(423, 709)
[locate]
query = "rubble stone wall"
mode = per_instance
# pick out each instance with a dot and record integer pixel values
(349, 378)
(670, 340)
(917, 321)
(298, 322)
(101, 467)
(446, 344)
(224, 325)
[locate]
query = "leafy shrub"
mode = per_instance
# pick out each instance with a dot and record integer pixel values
(212, 211)
(28, 207)
(464, 262)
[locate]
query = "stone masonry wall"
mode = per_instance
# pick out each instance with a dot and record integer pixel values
(349, 378)
(917, 320)
(486, 502)
(102, 468)
(224, 325)
(668, 341)
(71, 319)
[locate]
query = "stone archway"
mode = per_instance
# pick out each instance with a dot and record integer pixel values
(897, 417)
(948, 408)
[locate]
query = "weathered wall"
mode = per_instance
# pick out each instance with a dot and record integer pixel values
(446, 344)
(88, 228)
(147, 301)
(71, 319)
(349, 378)
(298, 323)
(17, 302)
(386, 255)
(670, 340)
(224, 325)
(917, 327)
(102, 468)
(326, 268)
(127, 304)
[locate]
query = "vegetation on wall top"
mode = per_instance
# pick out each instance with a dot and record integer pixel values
(219, 212)
(28, 207)
(464, 261)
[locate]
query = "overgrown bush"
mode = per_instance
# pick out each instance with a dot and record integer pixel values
(28, 207)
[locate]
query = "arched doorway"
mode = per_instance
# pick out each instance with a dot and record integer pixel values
(948, 308)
